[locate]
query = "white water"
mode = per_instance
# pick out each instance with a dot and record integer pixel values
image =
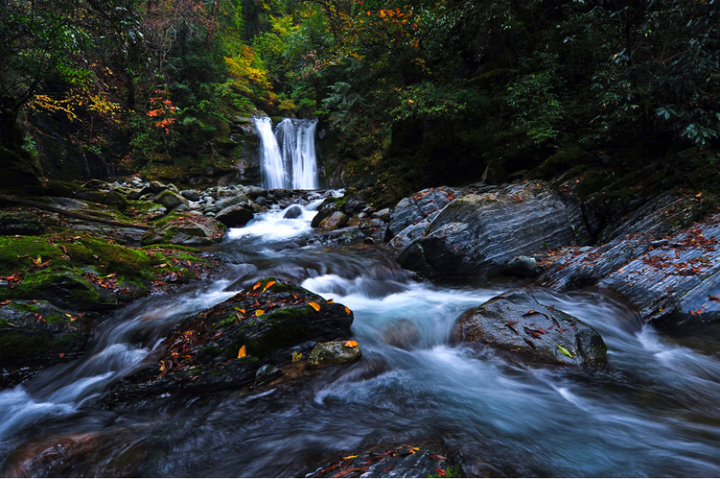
(287, 157)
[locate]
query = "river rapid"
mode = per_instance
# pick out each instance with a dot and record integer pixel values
(653, 411)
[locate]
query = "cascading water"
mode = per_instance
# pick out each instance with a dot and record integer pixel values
(287, 157)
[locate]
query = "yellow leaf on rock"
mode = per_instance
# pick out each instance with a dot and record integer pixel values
(314, 306)
(256, 286)
(269, 283)
(351, 344)
(242, 353)
(330, 301)
(259, 312)
(347, 310)
(349, 457)
(162, 366)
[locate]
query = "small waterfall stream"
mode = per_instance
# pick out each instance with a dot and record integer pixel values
(287, 156)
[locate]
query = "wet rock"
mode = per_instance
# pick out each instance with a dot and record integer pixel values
(20, 222)
(333, 353)
(293, 212)
(39, 333)
(235, 216)
(402, 334)
(185, 229)
(517, 324)
(266, 373)
(322, 214)
(354, 204)
(170, 200)
(384, 214)
(336, 220)
(477, 233)
(226, 345)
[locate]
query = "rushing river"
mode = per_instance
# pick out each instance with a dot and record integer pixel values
(652, 412)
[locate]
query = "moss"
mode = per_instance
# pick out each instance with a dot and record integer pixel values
(4, 324)
(24, 307)
(171, 246)
(17, 253)
(15, 345)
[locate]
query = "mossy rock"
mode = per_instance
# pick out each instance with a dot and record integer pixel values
(263, 324)
(20, 222)
(17, 170)
(39, 333)
(185, 229)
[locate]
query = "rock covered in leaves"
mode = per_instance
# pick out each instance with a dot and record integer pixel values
(518, 324)
(672, 279)
(273, 322)
(478, 233)
(331, 353)
(392, 461)
(186, 230)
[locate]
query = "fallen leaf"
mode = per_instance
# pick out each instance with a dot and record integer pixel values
(347, 310)
(330, 301)
(437, 457)
(242, 353)
(350, 457)
(565, 352)
(314, 306)
(441, 471)
(259, 312)
(256, 286)
(351, 344)
(269, 284)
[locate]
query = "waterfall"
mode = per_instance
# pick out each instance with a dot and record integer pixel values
(287, 157)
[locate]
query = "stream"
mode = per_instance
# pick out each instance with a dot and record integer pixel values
(653, 411)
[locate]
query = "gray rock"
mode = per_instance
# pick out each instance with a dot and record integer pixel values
(133, 195)
(334, 353)
(170, 199)
(415, 208)
(157, 187)
(266, 373)
(191, 195)
(20, 222)
(516, 324)
(477, 233)
(384, 214)
(232, 201)
(185, 229)
(293, 212)
(235, 216)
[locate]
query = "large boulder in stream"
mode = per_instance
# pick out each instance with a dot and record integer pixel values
(478, 233)
(227, 346)
(186, 230)
(518, 324)
(235, 216)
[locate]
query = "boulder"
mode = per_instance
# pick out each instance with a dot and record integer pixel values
(235, 216)
(333, 353)
(232, 201)
(293, 212)
(170, 200)
(156, 187)
(477, 234)
(336, 220)
(321, 215)
(515, 323)
(271, 323)
(185, 229)
(418, 207)
(191, 195)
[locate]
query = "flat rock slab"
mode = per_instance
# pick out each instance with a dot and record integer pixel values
(518, 324)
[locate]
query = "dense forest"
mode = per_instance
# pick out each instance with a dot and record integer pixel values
(412, 94)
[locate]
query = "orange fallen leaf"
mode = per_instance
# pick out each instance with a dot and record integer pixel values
(351, 344)
(269, 283)
(347, 310)
(259, 312)
(314, 306)
(242, 353)
(241, 310)
(162, 366)
(256, 286)
(330, 301)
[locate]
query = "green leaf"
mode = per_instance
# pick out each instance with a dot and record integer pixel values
(565, 352)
